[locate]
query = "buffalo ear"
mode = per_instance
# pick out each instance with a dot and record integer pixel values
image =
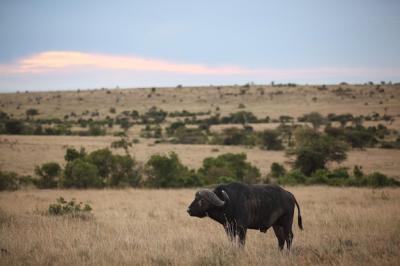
(225, 195)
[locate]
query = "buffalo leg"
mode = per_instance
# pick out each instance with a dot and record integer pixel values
(230, 231)
(287, 230)
(242, 235)
(279, 235)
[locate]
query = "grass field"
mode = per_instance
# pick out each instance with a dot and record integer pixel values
(343, 226)
(351, 226)
(262, 100)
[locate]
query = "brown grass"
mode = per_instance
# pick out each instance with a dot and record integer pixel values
(150, 227)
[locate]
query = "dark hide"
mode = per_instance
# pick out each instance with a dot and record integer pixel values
(249, 207)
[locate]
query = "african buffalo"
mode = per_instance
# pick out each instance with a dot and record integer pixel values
(239, 207)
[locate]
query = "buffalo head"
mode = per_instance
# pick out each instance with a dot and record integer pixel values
(204, 201)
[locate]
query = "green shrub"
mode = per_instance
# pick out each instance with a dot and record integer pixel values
(103, 159)
(31, 112)
(96, 130)
(154, 115)
(171, 129)
(270, 140)
(320, 176)
(314, 150)
(48, 175)
(72, 154)
(315, 118)
(8, 181)
(377, 179)
(125, 172)
(14, 126)
(337, 177)
(168, 171)
(241, 117)
(183, 135)
(277, 170)
(231, 165)
(81, 174)
(121, 144)
(292, 178)
(70, 208)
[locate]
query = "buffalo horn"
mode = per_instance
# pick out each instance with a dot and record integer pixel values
(211, 197)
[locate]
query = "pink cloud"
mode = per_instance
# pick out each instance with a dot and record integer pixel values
(53, 61)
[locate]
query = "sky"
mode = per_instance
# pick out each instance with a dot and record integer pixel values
(56, 45)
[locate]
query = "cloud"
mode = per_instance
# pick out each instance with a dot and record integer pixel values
(61, 61)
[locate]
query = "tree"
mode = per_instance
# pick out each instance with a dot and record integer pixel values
(48, 173)
(125, 172)
(277, 170)
(229, 165)
(103, 159)
(315, 118)
(8, 181)
(270, 140)
(314, 150)
(168, 171)
(14, 126)
(81, 174)
(30, 113)
(241, 117)
(72, 154)
(343, 119)
(125, 124)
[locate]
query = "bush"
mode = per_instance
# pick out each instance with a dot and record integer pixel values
(125, 172)
(48, 174)
(377, 179)
(14, 126)
(8, 181)
(31, 112)
(313, 150)
(357, 137)
(337, 177)
(185, 135)
(72, 154)
(154, 115)
(96, 130)
(81, 174)
(70, 208)
(241, 117)
(235, 136)
(277, 170)
(292, 178)
(174, 126)
(167, 171)
(103, 160)
(230, 165)
(100, 168)
(270, 140)
(315, 118)
(121, 144)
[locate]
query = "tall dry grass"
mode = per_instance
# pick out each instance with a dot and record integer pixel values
(347, 226)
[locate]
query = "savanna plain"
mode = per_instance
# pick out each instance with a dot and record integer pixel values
(351, 226)
(342, 225)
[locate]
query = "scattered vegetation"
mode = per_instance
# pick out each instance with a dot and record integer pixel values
(70, 208)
